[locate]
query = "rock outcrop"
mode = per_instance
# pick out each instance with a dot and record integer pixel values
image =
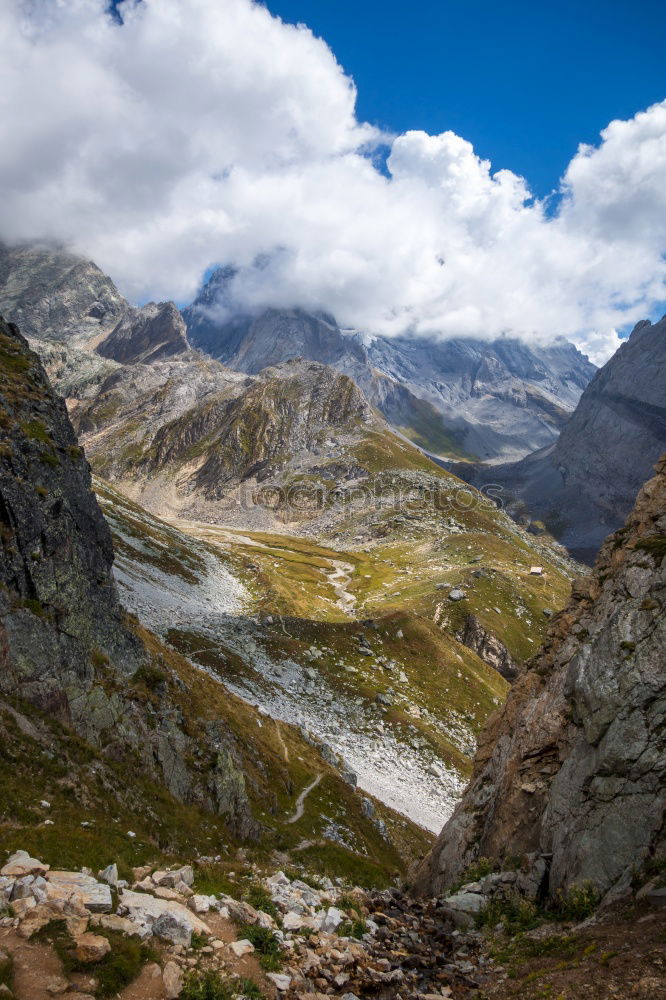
(583, 486)
(55, 295)
(210, 429)
(66, 644)
(570, 773)
(487, 646)
(152, 333)
(58, 602)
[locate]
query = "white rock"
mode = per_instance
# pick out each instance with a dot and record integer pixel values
(165, 917)
(332, 920)
(131, 834)
(241, 948)
(278, 879)
(281, 981)
(94, 895)
(201, 904)
(109, 875)
(21, 863)
(172, 978)
(293, 922)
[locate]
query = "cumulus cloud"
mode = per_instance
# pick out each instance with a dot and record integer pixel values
(208, 132)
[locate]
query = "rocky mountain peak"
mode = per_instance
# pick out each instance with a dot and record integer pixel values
(570, 772)
(56, 295)
(152, 333)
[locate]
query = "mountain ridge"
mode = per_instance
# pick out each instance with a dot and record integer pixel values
(460, 380)
(584, 485)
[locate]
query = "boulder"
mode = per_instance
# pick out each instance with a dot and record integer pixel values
(21, 907)
(20, 864)
(22, 887)
(332, 920)
(91, 947)
(166, 918)
(201, 904)
(172, 980)
(94, 895)
(241, 948)
(109, 875)
(74, 914)
(293, 922)
(282, 981)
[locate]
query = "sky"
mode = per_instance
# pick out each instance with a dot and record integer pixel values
(395, 166)
(524, 82)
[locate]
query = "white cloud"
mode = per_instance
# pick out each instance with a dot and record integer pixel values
(212, 132)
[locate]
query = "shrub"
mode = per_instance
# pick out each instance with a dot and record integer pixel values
(353, 928)
(577, 903)
(266, 945)
(211, 985)
(514, 912)
(258, 897)
(150, 676)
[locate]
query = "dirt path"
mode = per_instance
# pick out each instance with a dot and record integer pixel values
(300, 801)
(281, 741)
(339, 578)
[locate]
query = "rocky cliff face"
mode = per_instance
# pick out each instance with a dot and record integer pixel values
(55, 295)
(584, 485)
(66, 645)
(152, 333)
(58, 298)
(59, 605)
(458, 397)
(571, 771)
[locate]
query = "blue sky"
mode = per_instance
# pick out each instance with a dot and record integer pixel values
(525, 82)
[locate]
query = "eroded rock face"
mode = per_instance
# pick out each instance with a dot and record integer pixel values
(152, 333)
(65, 643)
(574, 765)
(55, 295)
(488, 647)
(59, 609)
(584, 485)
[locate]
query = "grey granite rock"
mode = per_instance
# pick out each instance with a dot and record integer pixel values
(571, 772)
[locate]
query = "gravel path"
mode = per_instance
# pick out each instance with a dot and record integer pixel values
(300, 801)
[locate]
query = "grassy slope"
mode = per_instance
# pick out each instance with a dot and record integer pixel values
(83, 787)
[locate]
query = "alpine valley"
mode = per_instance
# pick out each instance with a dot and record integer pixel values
(303, 690)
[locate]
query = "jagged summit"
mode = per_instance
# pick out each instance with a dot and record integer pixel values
(152, 333)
